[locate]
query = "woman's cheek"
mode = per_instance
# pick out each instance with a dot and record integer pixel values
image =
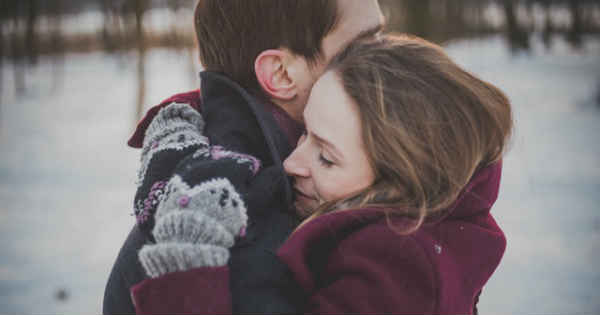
(327, 187)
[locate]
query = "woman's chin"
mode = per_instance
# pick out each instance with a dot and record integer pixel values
(305, 208)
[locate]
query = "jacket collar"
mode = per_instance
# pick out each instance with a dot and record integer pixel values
(241, 122)
(230, 111)
(476, 198)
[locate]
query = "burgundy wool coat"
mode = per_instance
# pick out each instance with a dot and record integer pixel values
(352, 262)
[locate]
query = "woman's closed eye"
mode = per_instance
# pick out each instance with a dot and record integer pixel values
(324, 161)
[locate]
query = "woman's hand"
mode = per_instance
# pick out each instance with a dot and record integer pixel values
(200, 211)
(195, 227)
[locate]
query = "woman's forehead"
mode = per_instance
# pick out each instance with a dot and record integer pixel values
(328, 104)
(331, 113)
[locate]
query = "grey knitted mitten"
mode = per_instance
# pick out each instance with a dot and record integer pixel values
(195, 227)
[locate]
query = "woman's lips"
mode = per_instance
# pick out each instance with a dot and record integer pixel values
(302, 194)
(304, 204)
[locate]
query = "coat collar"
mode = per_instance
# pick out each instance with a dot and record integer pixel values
(222, 95)
(477, 197)
(239, 121)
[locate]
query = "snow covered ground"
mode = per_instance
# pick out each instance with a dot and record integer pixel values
(67, 177)
(549, 201)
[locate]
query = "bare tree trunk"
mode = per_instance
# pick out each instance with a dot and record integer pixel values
(31, 38)
(518, 38)
(17, 53)
(574, 34)
(57, 43)
(193, 74)
(418, 17)
(3, 17)
(111, 35)
(106, 12)
(140, 8)
(548, 26)
(141, 76)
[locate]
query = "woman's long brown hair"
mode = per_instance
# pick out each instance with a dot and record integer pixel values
(427, 124)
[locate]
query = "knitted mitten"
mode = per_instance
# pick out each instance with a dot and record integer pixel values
(195, 227)
(200, 211)
(191, 194)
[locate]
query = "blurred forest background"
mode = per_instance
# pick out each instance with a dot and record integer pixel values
(76, 76)
(34, 28)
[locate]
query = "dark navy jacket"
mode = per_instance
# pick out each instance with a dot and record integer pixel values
(237, 121)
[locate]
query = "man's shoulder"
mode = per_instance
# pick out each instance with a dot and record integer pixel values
(191, 97)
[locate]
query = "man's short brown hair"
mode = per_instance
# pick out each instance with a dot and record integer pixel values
(232, 33)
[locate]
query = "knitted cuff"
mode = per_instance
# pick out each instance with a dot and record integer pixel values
(175, 116)
(216, 199)
(191, 227)
(162, 258)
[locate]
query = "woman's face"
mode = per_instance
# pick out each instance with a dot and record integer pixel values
(330, 161)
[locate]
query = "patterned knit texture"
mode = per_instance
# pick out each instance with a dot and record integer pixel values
(174, 133)
(216, 207)
(176, 126)
(195, 227)
(188, 194)
(174, 141)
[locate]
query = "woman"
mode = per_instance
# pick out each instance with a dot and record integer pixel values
(395, 175)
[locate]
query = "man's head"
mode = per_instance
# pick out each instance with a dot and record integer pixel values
(278, 49)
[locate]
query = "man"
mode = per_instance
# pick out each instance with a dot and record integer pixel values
(275, 51)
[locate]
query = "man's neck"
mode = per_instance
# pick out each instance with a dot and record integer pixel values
(291, 127)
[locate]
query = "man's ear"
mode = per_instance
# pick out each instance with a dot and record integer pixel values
(272, 73)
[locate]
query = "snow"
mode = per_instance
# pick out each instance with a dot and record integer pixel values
(549, 199)
(67, 178)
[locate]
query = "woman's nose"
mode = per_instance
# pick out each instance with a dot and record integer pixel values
(295, 165)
